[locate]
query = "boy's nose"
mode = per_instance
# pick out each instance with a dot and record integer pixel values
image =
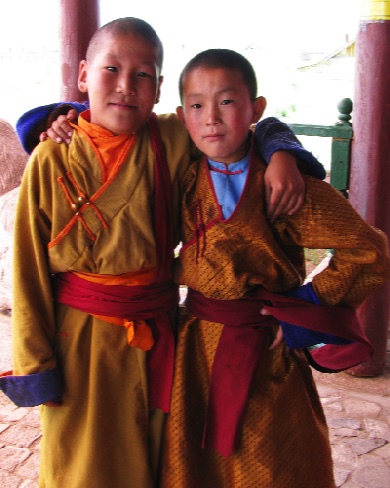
(212, 116)
(126, 85)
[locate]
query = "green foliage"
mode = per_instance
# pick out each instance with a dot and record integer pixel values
(315, 256)
(285, 112)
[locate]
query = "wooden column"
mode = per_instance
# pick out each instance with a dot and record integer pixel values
(79, 20)
(370, 163)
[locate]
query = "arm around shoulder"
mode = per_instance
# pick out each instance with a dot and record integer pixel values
(272, 135)
(30, 125)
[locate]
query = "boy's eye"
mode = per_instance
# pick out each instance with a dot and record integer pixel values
(196, 105)
(112, 69)
(227, 102)
(142, 74)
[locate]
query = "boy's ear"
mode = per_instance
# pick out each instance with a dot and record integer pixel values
(180, 114)
(259, 106)
(82, 79)
(158, 94)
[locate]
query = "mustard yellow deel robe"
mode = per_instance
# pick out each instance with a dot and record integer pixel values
(104, 434)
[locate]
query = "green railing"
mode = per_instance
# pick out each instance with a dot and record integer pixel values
(341, 134)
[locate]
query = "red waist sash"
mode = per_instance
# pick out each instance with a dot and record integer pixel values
(242, 341)
(139, 302)
(151, 303)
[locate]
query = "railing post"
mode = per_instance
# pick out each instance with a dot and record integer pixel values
(341, 150)
(341, 134)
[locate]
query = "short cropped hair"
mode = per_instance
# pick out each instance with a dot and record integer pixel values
(225, 59)
(124, 26)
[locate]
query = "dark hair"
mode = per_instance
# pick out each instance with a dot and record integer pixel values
(124, 26)
(226, 59)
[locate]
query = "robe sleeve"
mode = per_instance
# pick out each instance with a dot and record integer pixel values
(32, 123)
(360, 259)
(34, 389)
(273, 135)
(35, 378)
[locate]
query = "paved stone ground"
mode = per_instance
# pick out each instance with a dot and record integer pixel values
(358, 415)
(19, 429)
(357, 410)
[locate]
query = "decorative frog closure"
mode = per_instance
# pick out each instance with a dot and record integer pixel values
(79, 206)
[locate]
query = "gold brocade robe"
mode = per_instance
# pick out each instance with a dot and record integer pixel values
(284, 441)
(104, 434)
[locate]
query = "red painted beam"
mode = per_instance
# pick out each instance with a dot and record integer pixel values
(370, 166)
(79, 20)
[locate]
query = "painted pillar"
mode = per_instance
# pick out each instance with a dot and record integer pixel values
(370, 160)
(79, 20)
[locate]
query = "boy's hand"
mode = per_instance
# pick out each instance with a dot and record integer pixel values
(278, 339)
(60, 130)
(284, 185)
(279, 333)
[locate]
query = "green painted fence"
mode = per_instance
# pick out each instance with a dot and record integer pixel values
(341, 134)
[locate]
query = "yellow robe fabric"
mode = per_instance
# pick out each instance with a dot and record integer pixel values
(104, 434)
(284, 441)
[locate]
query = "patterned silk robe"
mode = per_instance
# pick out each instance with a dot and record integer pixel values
(284, 438)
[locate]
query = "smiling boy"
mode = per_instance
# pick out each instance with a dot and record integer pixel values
(95, 231)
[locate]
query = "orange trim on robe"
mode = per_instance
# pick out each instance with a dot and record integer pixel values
(111, 151)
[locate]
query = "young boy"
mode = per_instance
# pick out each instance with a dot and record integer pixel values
(93, 290)
(245, 411)
(95, 229)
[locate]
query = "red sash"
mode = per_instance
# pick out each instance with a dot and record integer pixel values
(241, 344)
(140, 302)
